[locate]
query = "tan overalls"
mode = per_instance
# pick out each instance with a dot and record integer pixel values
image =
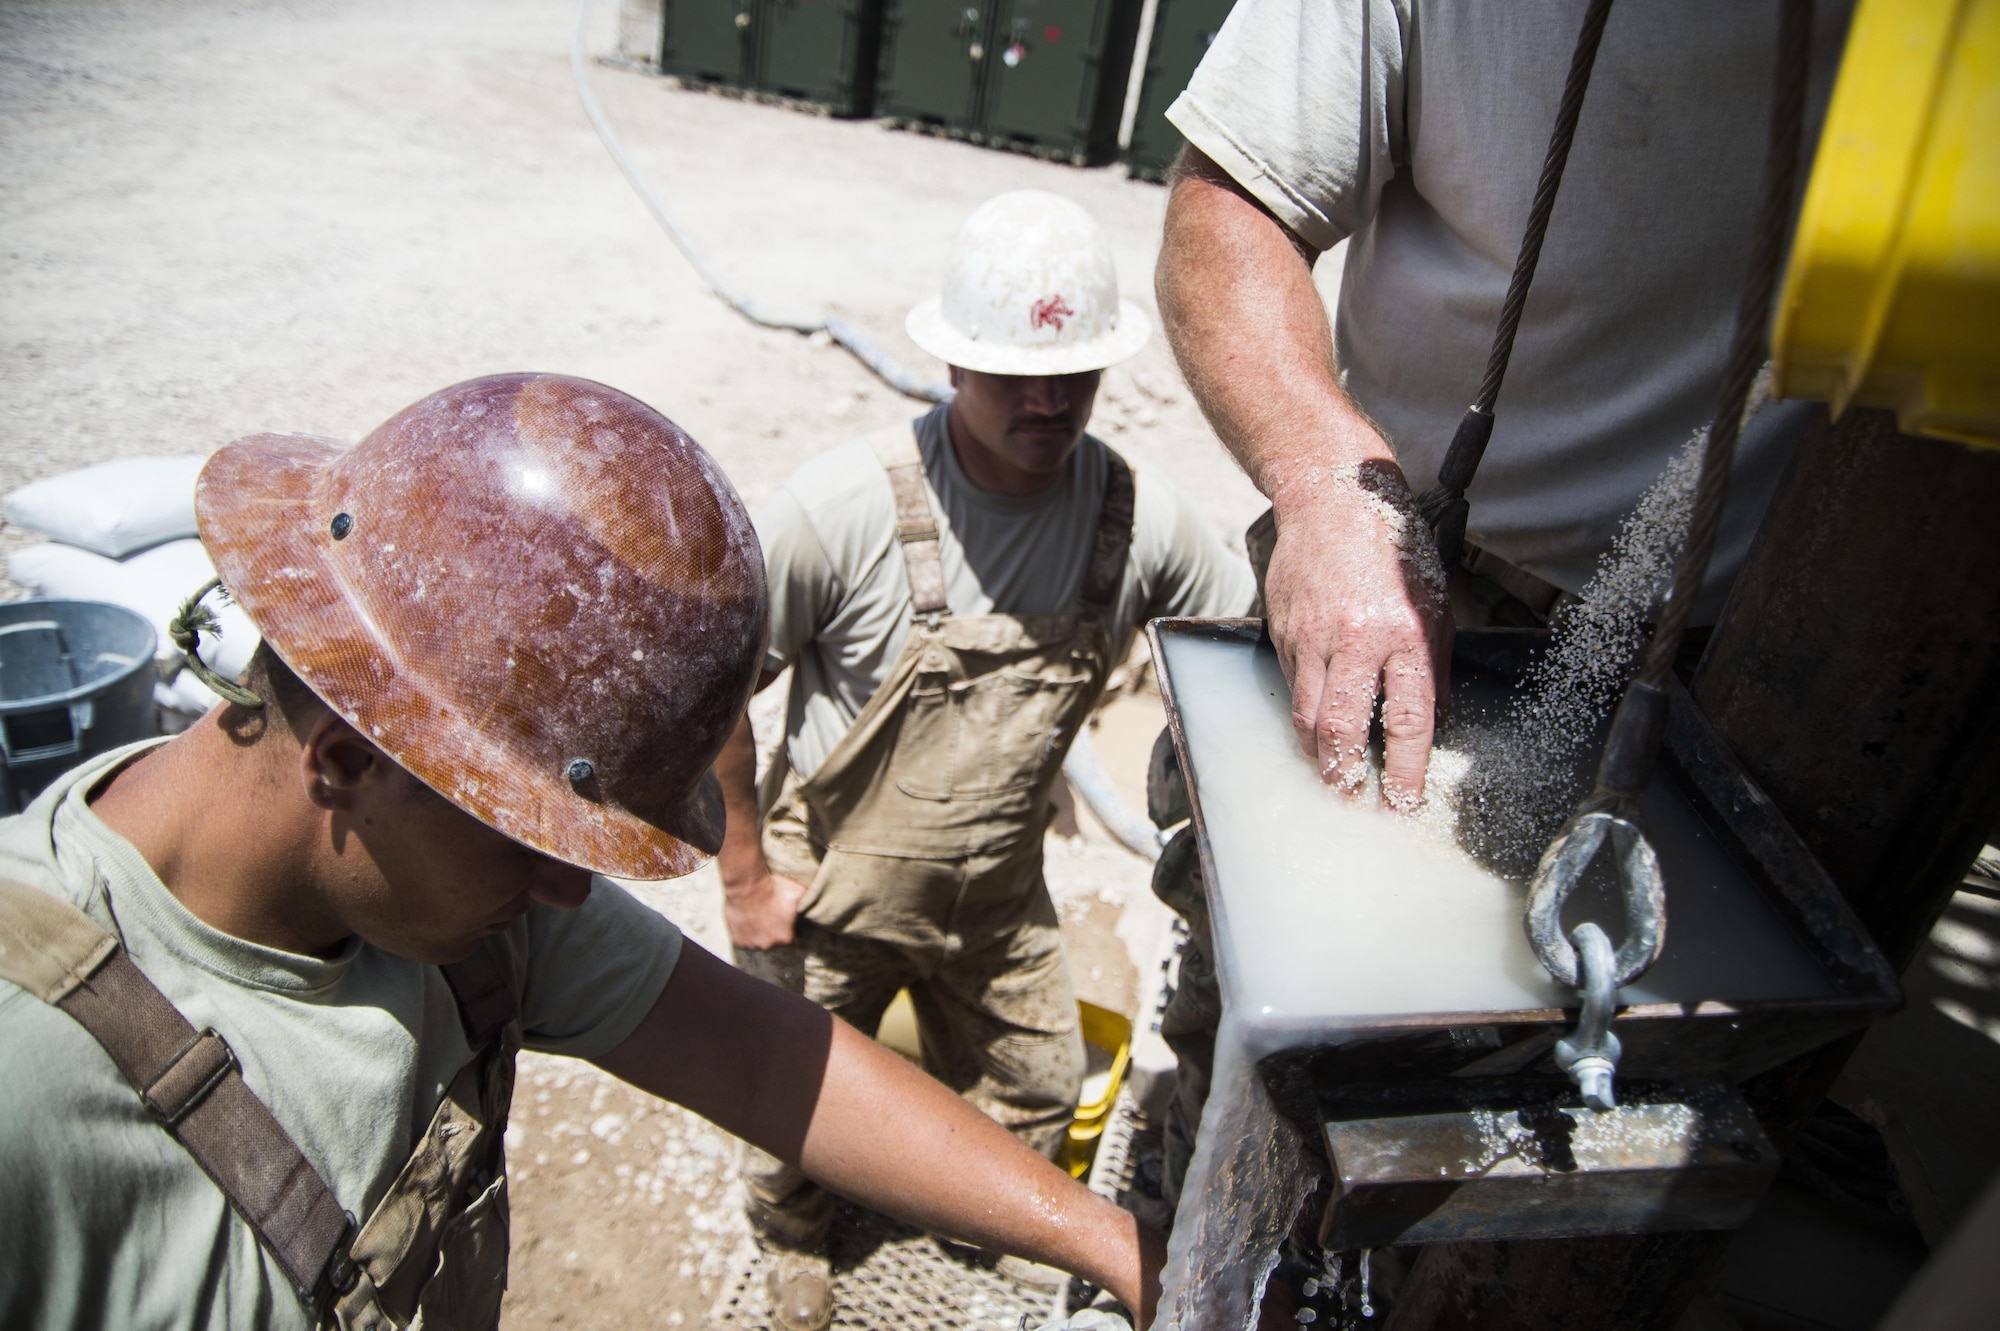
(432, 1254)
(920, 838)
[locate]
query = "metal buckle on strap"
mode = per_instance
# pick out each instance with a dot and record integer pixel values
(341, 1272)
(179, 1088)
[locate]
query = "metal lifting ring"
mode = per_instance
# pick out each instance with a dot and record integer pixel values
(1561, 869)
(1590, 1055)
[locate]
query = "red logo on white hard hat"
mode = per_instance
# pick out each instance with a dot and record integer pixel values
(1049, 312)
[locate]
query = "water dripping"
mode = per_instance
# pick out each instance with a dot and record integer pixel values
(1367, 1308)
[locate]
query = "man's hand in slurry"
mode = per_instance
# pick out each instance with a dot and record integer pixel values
(1355, 605)
(1353, 595)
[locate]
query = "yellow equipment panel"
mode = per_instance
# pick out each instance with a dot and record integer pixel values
(1892, 297)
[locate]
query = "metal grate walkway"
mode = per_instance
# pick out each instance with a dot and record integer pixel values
(889, 1275)
(886, 1274)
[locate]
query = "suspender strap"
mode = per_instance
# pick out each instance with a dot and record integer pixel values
(187, 1079)
(1106, 571)
(916, 525)
(917, 529)
(485, 1003)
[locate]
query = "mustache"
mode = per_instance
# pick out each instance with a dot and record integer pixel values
(1029, 420)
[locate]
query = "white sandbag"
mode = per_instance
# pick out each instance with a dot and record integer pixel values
(114, 508)
(154, 584)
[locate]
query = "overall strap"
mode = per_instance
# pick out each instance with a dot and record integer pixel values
(1106, 570)
(187, 1079)
(917, 529)
(486, 1004)
(916, 524)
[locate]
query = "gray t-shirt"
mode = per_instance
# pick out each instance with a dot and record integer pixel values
(108, 1220)
(840, 593)
(1419, 130)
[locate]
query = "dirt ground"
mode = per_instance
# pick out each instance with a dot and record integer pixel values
(219, 217)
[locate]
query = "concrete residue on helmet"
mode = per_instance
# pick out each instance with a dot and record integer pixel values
(1030, 289)
(536, 593)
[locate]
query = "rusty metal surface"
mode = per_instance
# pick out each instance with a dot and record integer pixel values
(536, 593)
(1494, 1166)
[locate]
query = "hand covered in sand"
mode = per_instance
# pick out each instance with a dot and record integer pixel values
(1356, 605)
(760, 912)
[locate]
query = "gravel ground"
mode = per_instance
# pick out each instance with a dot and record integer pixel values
(221, 218)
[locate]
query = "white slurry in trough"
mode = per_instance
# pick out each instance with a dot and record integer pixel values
(1331, 912)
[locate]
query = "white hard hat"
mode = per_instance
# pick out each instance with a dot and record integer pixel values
(1029, 289)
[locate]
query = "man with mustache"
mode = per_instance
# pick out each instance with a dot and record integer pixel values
(952, 594)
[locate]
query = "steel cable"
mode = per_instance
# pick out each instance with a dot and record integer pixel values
(1444, 505)
(1567, 114)
(1748, 350)
(1631, 750)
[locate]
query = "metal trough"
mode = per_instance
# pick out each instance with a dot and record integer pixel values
(1447, 1119)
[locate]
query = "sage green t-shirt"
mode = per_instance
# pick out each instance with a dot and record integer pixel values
(105, 1220)
(840, 592)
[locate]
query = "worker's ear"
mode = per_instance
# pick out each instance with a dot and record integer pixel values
(335, 762)
(957, 376)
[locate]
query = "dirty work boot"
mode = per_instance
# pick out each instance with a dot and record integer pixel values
(801, 1285)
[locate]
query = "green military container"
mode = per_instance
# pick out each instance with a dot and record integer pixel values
(1056, 75)
(820, 51)
(709, 41)
(933, 59)
(1044, 76)
(1182, 31)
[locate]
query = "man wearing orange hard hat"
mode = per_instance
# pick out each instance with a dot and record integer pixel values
(262, 984)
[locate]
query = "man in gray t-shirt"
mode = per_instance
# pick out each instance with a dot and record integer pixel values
(1416, 131)
(952, 594)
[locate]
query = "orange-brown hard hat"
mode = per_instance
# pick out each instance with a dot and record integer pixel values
(535, 593)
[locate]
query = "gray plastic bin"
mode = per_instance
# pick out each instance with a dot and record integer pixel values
(76, 680)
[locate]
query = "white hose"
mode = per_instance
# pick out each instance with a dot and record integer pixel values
(865, 349)
(1087, 778)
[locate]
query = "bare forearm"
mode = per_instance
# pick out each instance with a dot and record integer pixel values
(786, 1076)
(1251, 335)
(1353, 609)
(950, 1169)
(742, 854)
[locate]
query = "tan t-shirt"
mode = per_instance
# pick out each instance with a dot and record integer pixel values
(107, 1220)
(840, 593)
